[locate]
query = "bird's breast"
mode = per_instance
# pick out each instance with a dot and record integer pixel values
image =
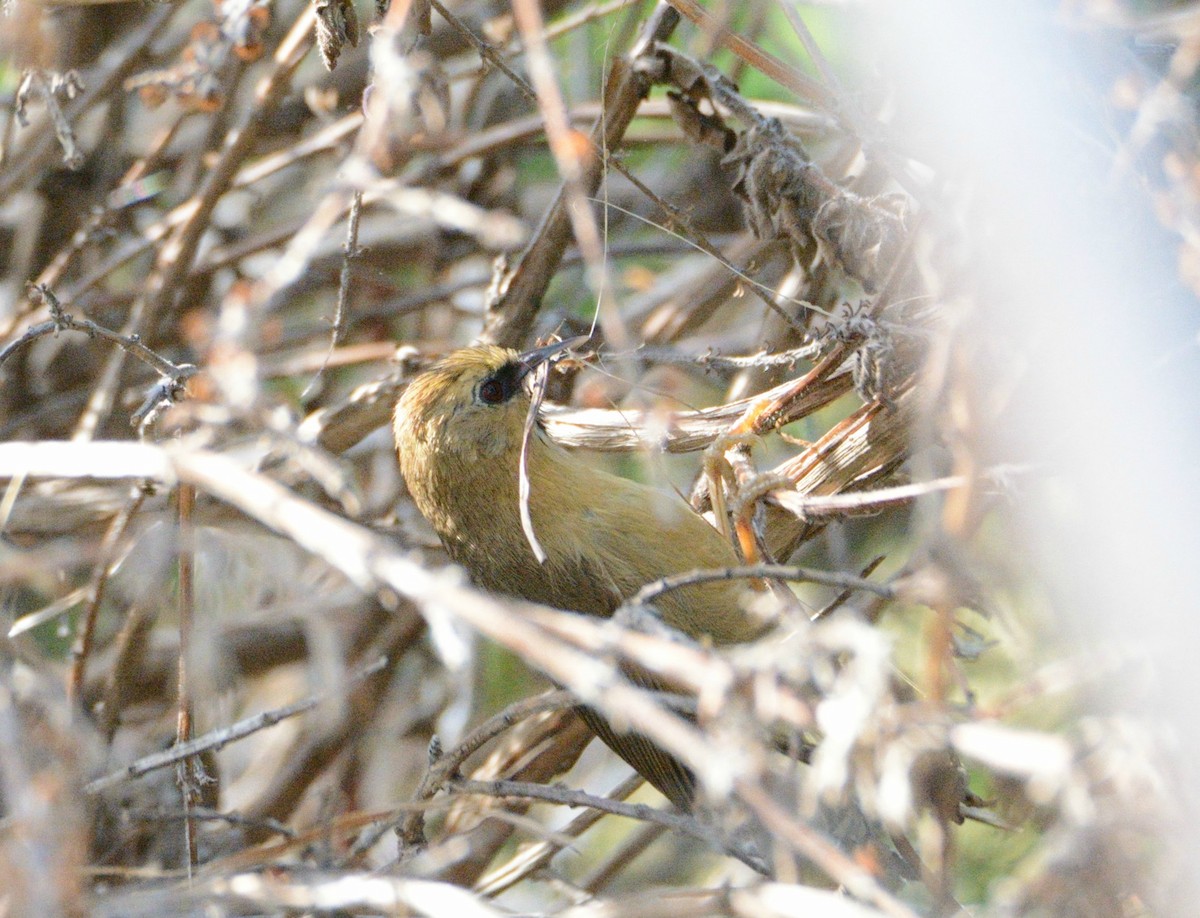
(604, 536)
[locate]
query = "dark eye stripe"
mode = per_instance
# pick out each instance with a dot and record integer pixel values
(502, 385)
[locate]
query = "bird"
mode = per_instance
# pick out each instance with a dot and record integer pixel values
(459, 428)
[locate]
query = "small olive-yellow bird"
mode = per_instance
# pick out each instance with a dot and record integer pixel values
(459, 430)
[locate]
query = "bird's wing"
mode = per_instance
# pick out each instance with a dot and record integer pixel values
(665, 772)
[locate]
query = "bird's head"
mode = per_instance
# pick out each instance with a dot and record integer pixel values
(473, 401)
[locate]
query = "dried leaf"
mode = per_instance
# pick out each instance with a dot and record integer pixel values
(337, 25)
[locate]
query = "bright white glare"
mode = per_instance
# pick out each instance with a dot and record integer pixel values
(1073, 276)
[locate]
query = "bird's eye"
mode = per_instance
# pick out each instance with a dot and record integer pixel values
(491, 391)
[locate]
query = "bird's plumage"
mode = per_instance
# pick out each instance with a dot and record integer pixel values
(459, 429)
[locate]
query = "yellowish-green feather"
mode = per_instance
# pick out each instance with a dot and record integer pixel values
(605, 536)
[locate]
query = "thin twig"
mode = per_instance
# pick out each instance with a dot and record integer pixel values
(176, 255)
(653, 590)
(815, 506)
(130, 649)
(565, 143)
(529, 860)
(82, 646)
(565, 796)
(486, 51)
(350, 251)
(620, 857)
(130, 344)
(785, 76)
(412, 828)
(810, 45)
(219, 739)
(511, 317)
(189, 772)
(697, 238)
(814, 846)
(205, 814)
(843, 597)
(715, 361)
(114, 65)
(115, 201)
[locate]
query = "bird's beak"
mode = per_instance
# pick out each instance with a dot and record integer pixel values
(531, 360)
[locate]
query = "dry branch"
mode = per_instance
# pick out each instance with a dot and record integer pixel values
(173, 181)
